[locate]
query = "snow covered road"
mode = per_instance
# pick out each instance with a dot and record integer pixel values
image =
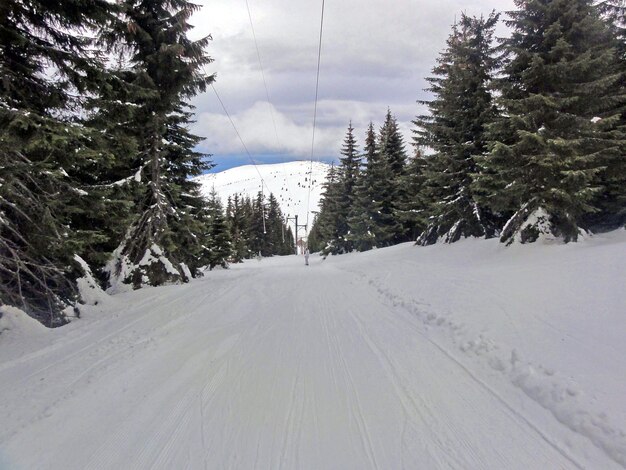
(268, 365)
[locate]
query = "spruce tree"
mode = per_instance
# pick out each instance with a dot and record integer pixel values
(411, 210)
(548, 150)
(274, 227)
(166, 237)
(350, 167)
(258, 226)
(372, 222)
(238, 228)
(219, 241)
(327, 222)
(42, 146)
(455, 130)
(611, 201)
(315, 243)
(391, 149)
(331, 228)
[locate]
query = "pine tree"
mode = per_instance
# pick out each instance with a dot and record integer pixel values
(275, 227)
(548, 150)
(238, 224)
(391, 149)
(372, 222)
(348, 174)
(455, 130)
(219, 240)
(290, 242)
(611, 201)
(331, 229)
(327, 222)
(42, 145)
(411, 210)
(315, 243)
(258, 227)
(166, 237)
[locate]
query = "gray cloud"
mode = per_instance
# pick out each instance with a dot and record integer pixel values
(375, 54)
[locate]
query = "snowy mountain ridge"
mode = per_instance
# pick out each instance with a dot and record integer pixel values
(288, 182)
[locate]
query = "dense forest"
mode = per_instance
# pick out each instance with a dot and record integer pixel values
(524, 138)
(96, 156)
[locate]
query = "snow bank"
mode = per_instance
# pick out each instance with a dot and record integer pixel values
(548, 319)
(15, 323)
(90, 291)
(19, 333)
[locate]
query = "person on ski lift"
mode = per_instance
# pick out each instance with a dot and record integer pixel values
(306, 257)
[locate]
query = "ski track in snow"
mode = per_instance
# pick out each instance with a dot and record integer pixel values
(274, 365)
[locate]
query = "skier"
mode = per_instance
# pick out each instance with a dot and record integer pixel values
(306, 257)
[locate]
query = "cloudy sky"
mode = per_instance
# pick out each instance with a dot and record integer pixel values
(375, 55)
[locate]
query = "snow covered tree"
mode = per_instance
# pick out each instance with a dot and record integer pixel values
(391, 149)
(327, 223)
(219, 241)
(331, 228)
(46, 67)
(348, 174)
(238, 223)
(411, 210)
(548, 149)
(455, 129)
(258, 226)
(280, 239)
(315, 243)
(166, 238)
(611, 201)
(372, 222)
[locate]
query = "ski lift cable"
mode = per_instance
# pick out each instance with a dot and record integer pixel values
(317, 82)
(267, 94)
(258, 55)
(247, 151)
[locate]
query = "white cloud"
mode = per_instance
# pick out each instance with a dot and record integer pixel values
(375, 54)
(293, 137)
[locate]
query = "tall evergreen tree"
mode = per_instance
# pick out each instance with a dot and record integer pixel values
(275, 227)
(455, 130)
(348, 174)
(327, 223)
(258, 226)
(219, 241)
(41, 146)
(238, 223)
(611, 201)
(167, 234)
(372, 222)
(391, 149)
(411, 210)
(331, 227)
(548, 150)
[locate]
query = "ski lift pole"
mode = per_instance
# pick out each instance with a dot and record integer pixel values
(295, 219)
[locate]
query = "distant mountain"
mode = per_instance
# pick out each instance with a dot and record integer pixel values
(289, 182)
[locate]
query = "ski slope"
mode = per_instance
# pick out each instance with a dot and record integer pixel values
(289, 182)
(469, 356)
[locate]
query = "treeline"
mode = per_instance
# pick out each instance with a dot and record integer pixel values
(257, 227)
(524, 138)
(96, 154)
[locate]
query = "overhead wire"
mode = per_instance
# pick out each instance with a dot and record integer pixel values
(258, 55)
(243, 144)
(317, 83)
(267, 94)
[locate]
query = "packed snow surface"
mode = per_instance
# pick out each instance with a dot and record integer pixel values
(469, 356)
(288, 182)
